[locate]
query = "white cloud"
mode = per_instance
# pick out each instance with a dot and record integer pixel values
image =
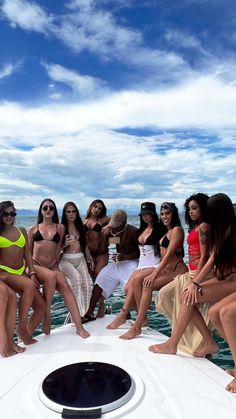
(27, 15)
(8, 70)
(83, 85)
(75, 152)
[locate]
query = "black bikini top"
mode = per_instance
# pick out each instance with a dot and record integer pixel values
(37, 237)
(165, 242)
(97, 227)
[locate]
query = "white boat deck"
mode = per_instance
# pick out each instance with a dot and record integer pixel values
(168, 386)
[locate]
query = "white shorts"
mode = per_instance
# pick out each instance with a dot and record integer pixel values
(115, 274)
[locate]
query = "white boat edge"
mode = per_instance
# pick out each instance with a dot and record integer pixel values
(167, 386)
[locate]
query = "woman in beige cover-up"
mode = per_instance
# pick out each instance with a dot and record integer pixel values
(168, 300)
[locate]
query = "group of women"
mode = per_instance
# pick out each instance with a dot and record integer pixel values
(52, 253)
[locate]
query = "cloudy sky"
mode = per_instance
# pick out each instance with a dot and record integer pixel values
(122, 100)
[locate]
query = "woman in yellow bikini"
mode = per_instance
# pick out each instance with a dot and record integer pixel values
(15, 259)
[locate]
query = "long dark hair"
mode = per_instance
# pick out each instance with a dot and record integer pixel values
(103, 212)
(201, 199)
(158, 229)
(55, 217)
(3, 206)
(78, 224)
(175, 220)
(222, 232)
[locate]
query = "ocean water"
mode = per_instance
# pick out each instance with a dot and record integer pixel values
(157, 321)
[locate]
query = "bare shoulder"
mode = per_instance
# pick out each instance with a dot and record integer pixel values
(105, 220)
(23, 230)
(177, 230)
(61, 228)
(203, 227)
(32, 228)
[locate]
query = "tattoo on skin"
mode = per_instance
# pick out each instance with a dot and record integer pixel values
(203, 236)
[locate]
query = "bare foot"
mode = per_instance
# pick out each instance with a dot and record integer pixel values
(7, 352)
(132, 333)
(118, 321)
(18, 349)
(231, 371)
(207, 348)
(82, 332)
(232, 386)
(25, 337)
(46, 328)
(163, 348)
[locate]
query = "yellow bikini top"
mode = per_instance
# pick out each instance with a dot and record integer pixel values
(20, 242)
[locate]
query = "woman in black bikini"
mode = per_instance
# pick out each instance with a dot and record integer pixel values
(172, 264)
(97, 243)
(45, 239)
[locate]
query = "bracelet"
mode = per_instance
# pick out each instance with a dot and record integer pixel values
(199, 288)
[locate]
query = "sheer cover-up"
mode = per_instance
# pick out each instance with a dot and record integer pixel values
(75, 268)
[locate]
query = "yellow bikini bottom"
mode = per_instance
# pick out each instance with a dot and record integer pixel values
(13, 271)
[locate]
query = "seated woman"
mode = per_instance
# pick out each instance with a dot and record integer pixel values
(171, 245)
(15, 259)
(7, 322)
(45, 240)
(149, 234)
(97, 243)
(223, 317)
(223, 259)
(168, 300)
(73, 262)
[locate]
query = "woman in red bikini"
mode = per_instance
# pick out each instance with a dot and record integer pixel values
(223, 260)
(45, 240)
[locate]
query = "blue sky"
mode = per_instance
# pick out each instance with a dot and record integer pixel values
(122, 100)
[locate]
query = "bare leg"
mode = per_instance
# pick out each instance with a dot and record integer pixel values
(101, 261)
(39, 308)
(48, 279)
(26, 288)
(227, 316)
(6, 347)
(134, 281)
(71, 303)
(145, 301)
(11, 321)
(121, 317)
(96, 294)
(212, 293)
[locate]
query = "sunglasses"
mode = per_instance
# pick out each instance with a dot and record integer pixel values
(71, 211)
(48, 207)
(6, 214)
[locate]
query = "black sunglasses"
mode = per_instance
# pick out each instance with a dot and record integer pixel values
(6, 214)
(48, 207)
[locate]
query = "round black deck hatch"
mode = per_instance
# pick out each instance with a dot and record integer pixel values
(87, 385)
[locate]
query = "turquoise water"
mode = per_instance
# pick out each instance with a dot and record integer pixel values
(158, 322)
